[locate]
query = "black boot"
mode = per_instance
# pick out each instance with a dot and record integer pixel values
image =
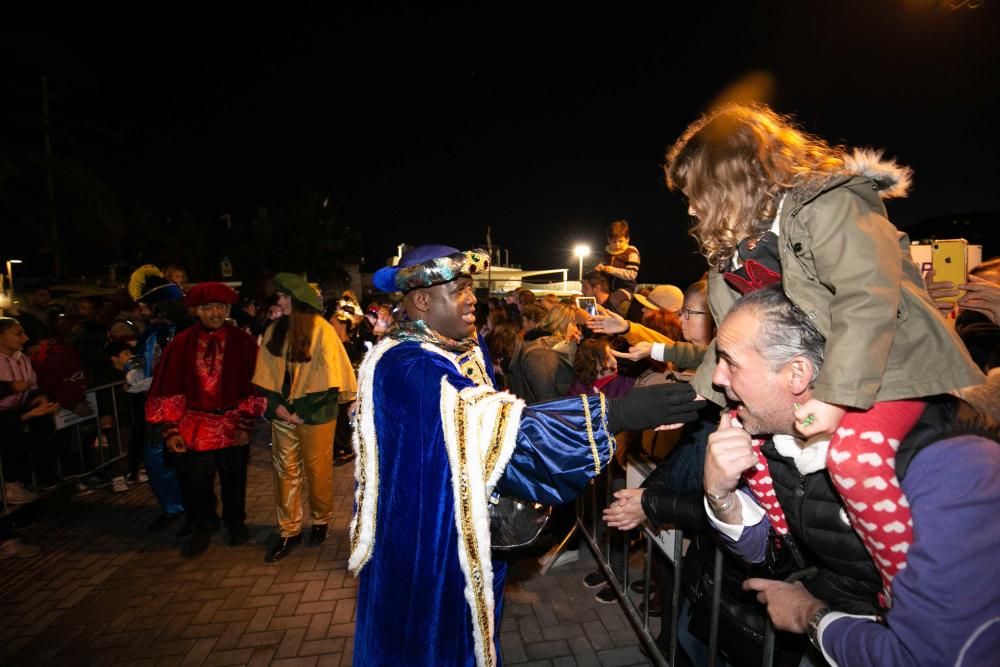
(238, 534)
(317, 535)
(163, 521)
(343, 458)
(199, 541)
(186, 529)
(282, 548)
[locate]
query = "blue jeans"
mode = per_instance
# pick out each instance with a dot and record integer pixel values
(162, 479)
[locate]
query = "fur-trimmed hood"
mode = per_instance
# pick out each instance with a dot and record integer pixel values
(894, 180)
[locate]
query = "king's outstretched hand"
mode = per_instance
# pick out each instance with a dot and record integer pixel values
(648, 407)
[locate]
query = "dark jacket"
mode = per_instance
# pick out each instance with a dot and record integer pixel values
(543, 370)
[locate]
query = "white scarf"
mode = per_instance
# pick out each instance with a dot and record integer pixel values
(809, 456)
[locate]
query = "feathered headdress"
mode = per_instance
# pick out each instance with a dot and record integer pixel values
(147, 285)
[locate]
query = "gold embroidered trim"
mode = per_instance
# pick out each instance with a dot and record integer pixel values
(590, 432)
(612, 443)
(481, 613)
(470, 365)
(496, 443)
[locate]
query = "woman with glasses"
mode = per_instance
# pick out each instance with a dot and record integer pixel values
(697, 327)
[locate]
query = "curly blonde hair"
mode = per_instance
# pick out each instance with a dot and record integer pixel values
(734, 162)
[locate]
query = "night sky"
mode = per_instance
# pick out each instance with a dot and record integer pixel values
(431, 123)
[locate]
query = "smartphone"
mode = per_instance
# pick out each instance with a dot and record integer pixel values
(948, 259)
(587, 303)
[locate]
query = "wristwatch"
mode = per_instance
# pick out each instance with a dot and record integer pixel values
(812, 627)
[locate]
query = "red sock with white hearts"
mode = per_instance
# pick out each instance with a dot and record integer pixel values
(861, 461)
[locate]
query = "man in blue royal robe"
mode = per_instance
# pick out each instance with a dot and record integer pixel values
(434, 440)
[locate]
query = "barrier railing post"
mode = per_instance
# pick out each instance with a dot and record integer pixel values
(600, 546)
(608, 481)
(713, 628)
(675, 598)
(118, 423)
(3, 487)
(645, 583)
(768, 657)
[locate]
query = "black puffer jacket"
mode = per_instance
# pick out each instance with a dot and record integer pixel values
(847, 578)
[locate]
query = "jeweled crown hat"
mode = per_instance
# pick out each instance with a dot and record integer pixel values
(429, 265)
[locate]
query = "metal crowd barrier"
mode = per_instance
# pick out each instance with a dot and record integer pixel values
(84, 428)
(671, 544)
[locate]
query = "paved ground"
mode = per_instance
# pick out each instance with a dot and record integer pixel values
(105, 591)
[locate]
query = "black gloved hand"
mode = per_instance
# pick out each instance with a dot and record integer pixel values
(647, 407)
(685, 511)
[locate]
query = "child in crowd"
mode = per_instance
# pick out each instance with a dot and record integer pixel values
(774, 204)
(621, 267)
(115, 410)
(597, 370)
(26, 426)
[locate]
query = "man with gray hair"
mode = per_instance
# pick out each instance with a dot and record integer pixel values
(944, 606)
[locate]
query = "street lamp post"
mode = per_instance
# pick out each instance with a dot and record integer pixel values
(7, 295)
(10, 275)
(581, 251)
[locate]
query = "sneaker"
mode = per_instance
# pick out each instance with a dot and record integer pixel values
(48, 484)
(595, 579)
(17, 494)
(118, 484)
(91, 483)
(606, 596)
(15, 548)
(565, 558)
(136, 478)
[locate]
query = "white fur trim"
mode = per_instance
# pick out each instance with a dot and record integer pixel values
(465, 445)
(894, 179)
(364, 440)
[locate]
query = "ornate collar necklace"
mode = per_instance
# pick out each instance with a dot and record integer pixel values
(420, 332)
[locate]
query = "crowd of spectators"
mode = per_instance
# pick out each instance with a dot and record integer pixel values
(543, 347)
(88, 361)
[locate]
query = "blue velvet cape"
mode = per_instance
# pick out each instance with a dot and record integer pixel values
(411, 606)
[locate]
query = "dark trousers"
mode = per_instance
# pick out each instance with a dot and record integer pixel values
(342, 437)
(196, 472)
(26, 446)
(137, 439)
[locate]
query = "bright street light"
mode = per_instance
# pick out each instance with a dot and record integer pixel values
(581, 251)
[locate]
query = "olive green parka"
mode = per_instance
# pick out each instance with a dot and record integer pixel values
(849, 270)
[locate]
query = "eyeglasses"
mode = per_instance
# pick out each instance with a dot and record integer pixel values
(686, 313)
